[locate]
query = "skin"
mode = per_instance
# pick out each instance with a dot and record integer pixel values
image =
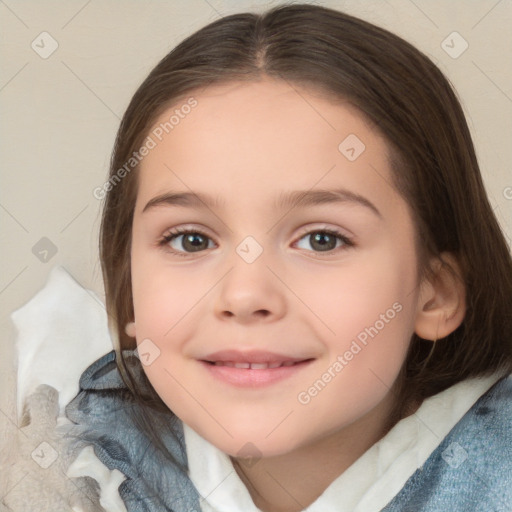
(247, 143)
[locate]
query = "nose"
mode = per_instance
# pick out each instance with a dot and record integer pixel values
(250, 292)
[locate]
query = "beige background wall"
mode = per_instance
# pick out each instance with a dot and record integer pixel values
(59, 114)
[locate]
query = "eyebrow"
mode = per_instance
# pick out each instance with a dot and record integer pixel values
(293, 199)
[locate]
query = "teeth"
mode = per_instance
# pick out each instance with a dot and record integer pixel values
(253, 366)
(259, 366)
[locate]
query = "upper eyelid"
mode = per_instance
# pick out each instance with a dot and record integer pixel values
(182, 230)
(347, 242)
(194, 229)
(339, 230)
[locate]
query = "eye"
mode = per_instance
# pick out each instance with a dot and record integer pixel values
(183, 241)
(325, 240)
(192, 240)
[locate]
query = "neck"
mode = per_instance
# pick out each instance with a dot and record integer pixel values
(292, 481)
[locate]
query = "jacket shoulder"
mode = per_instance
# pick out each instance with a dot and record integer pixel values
(106, 415)
(471, 469)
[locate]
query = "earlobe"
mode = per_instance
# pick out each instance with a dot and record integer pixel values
(442, 300)
(130, 329)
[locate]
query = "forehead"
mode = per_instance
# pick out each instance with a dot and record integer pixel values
(244, 138)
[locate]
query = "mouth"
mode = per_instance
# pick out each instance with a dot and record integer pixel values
(254, 368)
(252, 359)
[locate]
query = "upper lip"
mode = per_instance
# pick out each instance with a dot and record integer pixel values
(251, 356)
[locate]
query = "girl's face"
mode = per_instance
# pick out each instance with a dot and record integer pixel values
(298, 258)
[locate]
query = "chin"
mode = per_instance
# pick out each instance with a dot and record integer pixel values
(255, 445)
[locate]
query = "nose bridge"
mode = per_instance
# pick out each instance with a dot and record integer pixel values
(250, 289)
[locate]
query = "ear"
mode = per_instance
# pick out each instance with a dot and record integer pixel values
(130, 329)
(442, 300)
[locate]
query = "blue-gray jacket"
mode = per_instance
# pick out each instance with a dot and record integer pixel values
(471, 470)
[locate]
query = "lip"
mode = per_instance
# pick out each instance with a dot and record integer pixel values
(251, 356)
(252, 377)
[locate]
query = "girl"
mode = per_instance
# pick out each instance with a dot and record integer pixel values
(308, 290)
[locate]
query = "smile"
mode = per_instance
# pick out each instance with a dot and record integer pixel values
(253, 366)
(252, 375)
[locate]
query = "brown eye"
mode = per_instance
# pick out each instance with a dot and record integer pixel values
(193, 242)
(322, 240)
(182, 241)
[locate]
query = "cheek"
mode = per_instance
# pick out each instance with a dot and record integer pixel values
(347, 301)
(163, 296)
(164, 305)
(158, 305)
(369, 313)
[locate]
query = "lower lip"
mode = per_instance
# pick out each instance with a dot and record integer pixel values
(245, 377)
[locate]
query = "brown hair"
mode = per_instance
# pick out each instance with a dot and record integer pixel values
(433, 159)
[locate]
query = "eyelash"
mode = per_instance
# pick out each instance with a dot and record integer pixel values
(164, 241)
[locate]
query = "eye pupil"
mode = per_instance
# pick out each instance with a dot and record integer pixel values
(195, 240)
(323, 240)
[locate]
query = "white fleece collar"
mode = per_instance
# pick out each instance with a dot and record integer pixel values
(370, 482)
(63, 329)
